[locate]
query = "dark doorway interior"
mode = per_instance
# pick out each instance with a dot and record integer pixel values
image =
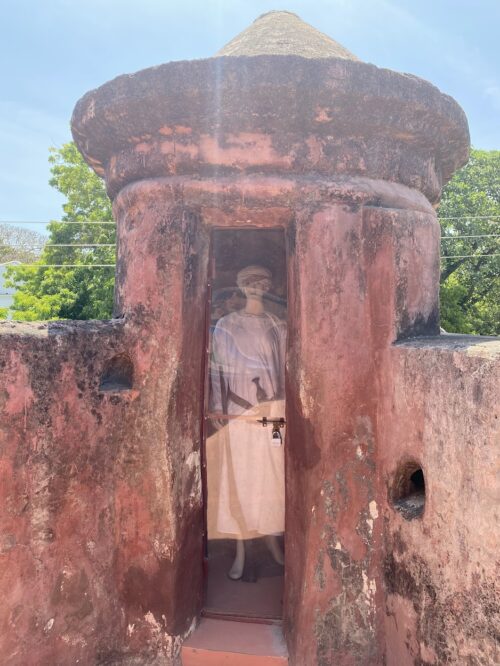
(244, 424)
(260, 599)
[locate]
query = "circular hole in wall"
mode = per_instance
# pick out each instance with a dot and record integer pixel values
(408, 490)
(118, 374)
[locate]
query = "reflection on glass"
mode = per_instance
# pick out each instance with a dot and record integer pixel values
(245, 460)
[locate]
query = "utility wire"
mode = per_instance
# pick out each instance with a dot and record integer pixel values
(34, 265)
(468, 256)
(82, 244)
(477, 236)
(471, 217)
(59, 265)
(114, 244)
(60, 222)
(460, 217)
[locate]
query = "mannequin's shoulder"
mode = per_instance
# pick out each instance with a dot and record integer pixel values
(226, 322)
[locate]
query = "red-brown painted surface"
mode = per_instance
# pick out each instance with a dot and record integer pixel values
(271, 114)
(349, 298)
(440, 570)
(100, 495)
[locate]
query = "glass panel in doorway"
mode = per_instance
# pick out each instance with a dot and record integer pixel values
(245, 424)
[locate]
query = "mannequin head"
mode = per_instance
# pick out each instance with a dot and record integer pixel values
(254, 281)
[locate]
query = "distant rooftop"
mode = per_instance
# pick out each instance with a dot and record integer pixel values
(284, 33)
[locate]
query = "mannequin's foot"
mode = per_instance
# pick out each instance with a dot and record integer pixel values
(236, 571)
(274, 546)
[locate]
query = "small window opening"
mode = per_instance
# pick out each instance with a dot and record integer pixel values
(118, 374)
(408, 490)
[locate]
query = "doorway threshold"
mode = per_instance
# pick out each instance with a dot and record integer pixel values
(217, 642)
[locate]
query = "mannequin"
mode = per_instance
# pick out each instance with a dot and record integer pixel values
(248, 384)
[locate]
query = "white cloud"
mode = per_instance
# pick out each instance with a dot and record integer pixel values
(492, 91)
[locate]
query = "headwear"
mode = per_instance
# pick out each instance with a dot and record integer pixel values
(246, 272)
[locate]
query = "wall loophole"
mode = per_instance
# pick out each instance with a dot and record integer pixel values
(118, 374)
(407, 494)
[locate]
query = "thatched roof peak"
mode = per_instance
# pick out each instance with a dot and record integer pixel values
(284, 33)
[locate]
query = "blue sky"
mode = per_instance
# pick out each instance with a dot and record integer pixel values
(53, 51)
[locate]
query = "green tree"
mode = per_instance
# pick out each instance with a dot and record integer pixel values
(469, 214)
(18, 244)
(82, 292)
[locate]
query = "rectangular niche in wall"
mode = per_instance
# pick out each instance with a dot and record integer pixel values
(245, 423)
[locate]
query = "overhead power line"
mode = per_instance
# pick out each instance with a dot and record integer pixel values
(471, 217)
(35, 265)
(91, 245)
(59, 265)
(59, 222)
(468, 256)
(476, 236)
(458, 217)
(79, 245)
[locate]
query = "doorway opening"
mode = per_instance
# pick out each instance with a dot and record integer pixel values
(244, 424)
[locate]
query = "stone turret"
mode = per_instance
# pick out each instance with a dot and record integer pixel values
(284, 129)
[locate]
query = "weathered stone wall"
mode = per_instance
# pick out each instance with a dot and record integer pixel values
(360, 277)
(100, 512)
(440, 408)
(123, 468)
(61, 443)
(101, 499)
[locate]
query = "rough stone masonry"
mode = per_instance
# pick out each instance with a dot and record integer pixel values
(101, 504)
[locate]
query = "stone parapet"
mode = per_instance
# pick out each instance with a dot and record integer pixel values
(439, 409)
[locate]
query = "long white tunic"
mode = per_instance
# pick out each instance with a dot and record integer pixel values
(247, 381)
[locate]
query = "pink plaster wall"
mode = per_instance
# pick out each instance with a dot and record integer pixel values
(441, 570)
(101, 498)
(353, 278)
(58, 445)
(100, 520)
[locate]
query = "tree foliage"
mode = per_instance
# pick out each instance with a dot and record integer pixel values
(18, 244)
(469, 214)
(84, 292)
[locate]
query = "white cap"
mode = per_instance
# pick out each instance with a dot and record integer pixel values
(258, 271)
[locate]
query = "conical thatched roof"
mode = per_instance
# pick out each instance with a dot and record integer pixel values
(284, 33)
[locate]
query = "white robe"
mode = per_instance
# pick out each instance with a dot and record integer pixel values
(251, 485)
